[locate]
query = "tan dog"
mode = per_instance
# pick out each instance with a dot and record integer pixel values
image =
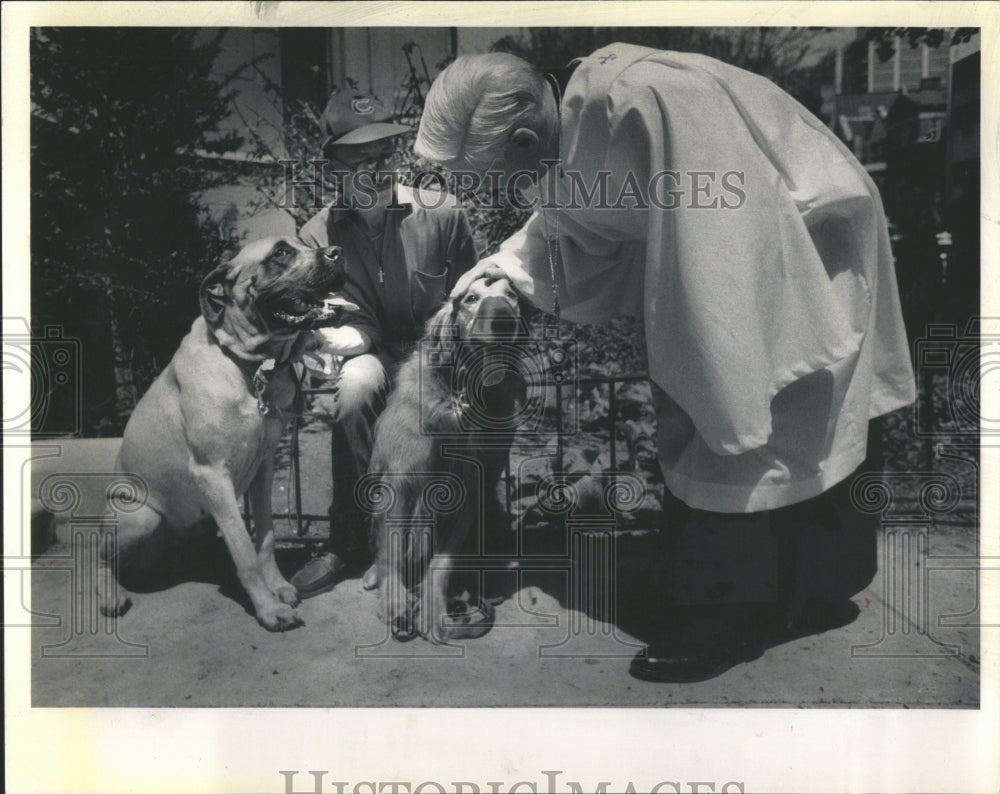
(451, 418)
(206, 430)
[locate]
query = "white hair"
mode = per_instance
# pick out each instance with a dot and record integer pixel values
(474, 105)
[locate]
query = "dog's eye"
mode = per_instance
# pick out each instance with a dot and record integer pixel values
(283, 252)
(470, 298)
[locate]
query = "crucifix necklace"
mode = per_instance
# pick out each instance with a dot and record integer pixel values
(375, 243)
(380, 244)
(381, 258)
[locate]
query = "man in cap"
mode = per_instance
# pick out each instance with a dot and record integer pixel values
(406, 249)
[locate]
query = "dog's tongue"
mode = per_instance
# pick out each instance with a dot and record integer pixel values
(328, 313)
(332, 310)
(335, 302)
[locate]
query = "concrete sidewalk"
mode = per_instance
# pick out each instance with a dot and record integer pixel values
(913, 644)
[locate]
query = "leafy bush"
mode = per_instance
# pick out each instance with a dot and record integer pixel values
(616, 347)
(118, 241)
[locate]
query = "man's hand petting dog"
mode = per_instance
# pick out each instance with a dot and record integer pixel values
(206, 431)
(435, 428)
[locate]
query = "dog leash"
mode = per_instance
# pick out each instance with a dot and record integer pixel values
(469, 619)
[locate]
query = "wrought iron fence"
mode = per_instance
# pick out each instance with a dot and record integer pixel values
(613, 382)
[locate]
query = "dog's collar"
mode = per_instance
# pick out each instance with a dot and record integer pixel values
(260, 381)
(248, 350)
(261, 371)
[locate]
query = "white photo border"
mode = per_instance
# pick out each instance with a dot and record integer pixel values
(242, 750)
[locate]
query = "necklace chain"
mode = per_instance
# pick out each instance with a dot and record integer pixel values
(552, 241)
(552, 244)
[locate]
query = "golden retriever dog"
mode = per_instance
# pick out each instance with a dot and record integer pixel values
(206, 430)
(447, 425)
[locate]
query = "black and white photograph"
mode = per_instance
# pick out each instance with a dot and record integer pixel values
(393, 378)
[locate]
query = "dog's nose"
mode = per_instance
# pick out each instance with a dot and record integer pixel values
(498, 316)
(334, 255)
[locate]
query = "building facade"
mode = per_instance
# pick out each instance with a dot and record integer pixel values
(299, 67)
(912, 119)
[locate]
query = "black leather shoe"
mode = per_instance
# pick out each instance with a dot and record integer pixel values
(702, 650)
(682, 666)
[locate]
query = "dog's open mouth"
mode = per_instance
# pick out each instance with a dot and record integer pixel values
(326, 311)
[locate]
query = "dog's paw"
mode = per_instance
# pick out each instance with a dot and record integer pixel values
(402, 629)
(280, 617)
(113, 600)
(401, 621)
(433, 626)
(287, 594)
(438, 624)
(116, 607)
(371, 580)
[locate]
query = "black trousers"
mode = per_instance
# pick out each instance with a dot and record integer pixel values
(822, 549)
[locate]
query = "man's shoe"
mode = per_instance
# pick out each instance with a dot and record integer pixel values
(319, 575)
(701, 651)
(819, 616)
(682, 666)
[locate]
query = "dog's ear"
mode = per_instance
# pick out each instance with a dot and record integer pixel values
(527, 315)
(442, 328)
(214, 294)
